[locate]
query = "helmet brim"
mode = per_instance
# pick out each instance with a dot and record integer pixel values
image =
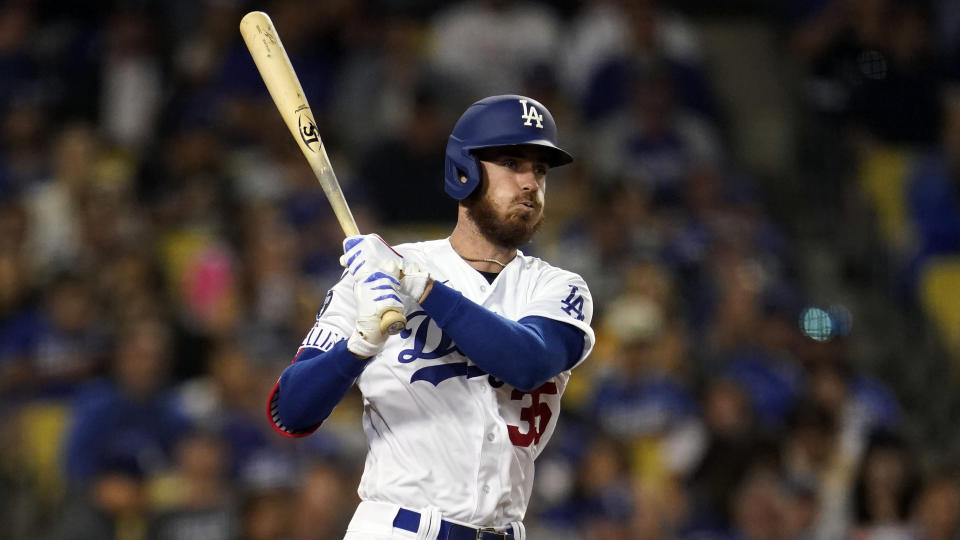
(553, 155)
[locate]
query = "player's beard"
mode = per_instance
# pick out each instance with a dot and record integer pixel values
(511, 230)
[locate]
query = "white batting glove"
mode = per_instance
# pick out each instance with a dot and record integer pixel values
(377, 292)
(413, 280)
(363, 254)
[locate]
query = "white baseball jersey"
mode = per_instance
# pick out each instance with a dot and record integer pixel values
(441, 432)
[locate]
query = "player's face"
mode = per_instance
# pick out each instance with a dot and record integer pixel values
(508, 207)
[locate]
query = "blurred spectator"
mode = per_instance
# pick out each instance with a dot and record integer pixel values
(644, 395)
(810, 444)
(24, 109)
(801, 511)
(905, 71)
(23, 128)
(381, 81)
(861, 56)
(226, 401)
(47, 352)
(130, 285)
(612, 39)
(654, 140)
(323, 508)
(661, 508)
(54, 207)
(317, 235)
(273, 284)
(201, 501)
(404, 171)
(108, 219)
(17, 63)
(267, 514)
(197, 59)
(13, 228)
(113, 505)
(770, 376)
(759, 507)
(130, 414)
(861, 403)
(884, 489)
(734, 442)
(829, 39)
(486, 47)
(16, 302)
(602, 499)
(937, 509)
(132, 81)
(618, 235)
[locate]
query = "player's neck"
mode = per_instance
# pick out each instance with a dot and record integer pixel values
(467, 240)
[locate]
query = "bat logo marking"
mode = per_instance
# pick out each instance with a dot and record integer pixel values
(308, 132)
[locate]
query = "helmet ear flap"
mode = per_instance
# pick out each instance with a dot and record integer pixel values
(460, 162)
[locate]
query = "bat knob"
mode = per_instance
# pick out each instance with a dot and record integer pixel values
(392, 322)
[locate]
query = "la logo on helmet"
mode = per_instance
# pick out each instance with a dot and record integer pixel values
(530, 115)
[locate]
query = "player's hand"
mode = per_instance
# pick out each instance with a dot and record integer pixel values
(377, 292)
(413, 280)
(367, 253)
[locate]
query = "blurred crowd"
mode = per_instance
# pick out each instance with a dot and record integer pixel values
(164, 248)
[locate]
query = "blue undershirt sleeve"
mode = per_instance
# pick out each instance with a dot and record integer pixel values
(312, 386)
(524, 353)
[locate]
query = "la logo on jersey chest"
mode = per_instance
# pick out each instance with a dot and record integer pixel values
(531, 115)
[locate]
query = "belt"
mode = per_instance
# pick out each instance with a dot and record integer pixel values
(409, 520)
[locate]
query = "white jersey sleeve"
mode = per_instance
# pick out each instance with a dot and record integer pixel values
(336, 318)
(562, 296)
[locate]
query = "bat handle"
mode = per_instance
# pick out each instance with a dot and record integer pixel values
(392, 322)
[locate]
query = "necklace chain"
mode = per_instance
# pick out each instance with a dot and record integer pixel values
(494, 261)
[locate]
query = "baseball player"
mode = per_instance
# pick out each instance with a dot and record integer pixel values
(459, 404)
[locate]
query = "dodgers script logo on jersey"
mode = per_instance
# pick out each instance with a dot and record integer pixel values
(437, 373)
(534, 414)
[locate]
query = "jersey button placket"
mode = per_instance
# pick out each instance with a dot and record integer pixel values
(491, 458)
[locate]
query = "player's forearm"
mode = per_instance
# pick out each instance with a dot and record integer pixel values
(312, 386)
(524, 354)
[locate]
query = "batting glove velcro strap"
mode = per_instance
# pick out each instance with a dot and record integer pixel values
(413, 280)
(377, 292)
(362, 254)
(366, 340)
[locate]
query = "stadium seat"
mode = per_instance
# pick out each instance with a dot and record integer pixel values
(940, 297)
(43, 426)
(882, 177)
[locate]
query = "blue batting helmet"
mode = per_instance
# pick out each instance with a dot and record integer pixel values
(492, 122)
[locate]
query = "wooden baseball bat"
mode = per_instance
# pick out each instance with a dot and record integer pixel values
(274, 66)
